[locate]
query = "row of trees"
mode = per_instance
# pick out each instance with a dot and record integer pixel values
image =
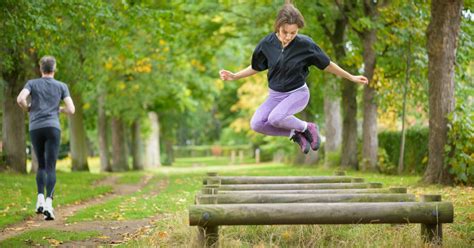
(148, 69)
(123, 61)
(397, 66)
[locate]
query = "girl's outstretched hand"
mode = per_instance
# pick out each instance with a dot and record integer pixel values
(360, 80)
(226, 75)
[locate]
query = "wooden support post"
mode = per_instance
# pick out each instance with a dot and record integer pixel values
(210, 189)
(432, 233)
(212, 174)
(208, 236)
(339, 173)
(400, 190)
(375, 185)
(357, 180)
(213, 181)
(209, 174)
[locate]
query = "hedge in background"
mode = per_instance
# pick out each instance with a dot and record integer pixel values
(460, 147)
(416, 148)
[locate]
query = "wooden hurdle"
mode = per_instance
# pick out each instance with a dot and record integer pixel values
(429, 214)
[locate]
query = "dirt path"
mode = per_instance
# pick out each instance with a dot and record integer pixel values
(112, 232)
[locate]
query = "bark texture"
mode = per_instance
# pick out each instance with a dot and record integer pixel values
(369, 125)
(137, 151)
(78, 136)
(119, 150)
(442, 35)
(13, 128)
(102, 133)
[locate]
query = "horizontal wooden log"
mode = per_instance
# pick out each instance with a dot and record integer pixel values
(314, 191)
(301, 198)
(299, 186)
(281, 179)
(321, 213)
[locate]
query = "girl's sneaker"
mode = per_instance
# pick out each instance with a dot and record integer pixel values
(301, 141)
(48, 209)
(312, 135)
(40, 204)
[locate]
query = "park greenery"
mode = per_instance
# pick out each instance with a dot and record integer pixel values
(183, 182)
(144, 77)
(147, 71)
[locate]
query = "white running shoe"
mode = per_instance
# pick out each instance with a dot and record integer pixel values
(40, 204)
(48, 209)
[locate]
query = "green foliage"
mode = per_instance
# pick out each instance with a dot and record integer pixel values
(230, 137)
(332, 159)
(416, 148)
(384, 164)
(279, 148)
(459, 150)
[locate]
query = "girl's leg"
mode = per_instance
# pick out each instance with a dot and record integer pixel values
(282, 115)
(260, 123)
(51, 150)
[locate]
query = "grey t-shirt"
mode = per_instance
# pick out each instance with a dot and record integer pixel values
(46, 95)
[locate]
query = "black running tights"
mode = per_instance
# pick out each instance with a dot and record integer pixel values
(45, 143)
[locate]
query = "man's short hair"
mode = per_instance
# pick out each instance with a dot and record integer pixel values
(47, 64)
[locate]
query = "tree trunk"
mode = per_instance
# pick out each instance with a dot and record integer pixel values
(349, 125)
(442, 36)
(169, 151)
(78, 136)
(119, 154)
(137, 153)
(369, 131)
(102, 133)
(349, 103)
(333, 122)
(153, 159)
(13, 137)
(405, 89)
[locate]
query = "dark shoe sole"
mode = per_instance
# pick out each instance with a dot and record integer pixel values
(48, 216)
(306, 149)
(39, 210)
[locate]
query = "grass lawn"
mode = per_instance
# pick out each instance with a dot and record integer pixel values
(184, 179)
(174, 229)
(18, 193)
(46, 237)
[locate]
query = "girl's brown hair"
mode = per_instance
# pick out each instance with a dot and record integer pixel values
(288, 14)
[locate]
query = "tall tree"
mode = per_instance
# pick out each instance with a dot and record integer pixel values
(14, 138)
(119, 154)
(19, 19)
(368, 36)
(102, 128)
(137, 150)
(442, 35)
(337, 36)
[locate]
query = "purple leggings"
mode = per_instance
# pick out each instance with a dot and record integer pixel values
(275, 116)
